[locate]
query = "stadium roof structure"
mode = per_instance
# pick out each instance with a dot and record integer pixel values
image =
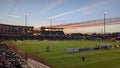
(15, 25)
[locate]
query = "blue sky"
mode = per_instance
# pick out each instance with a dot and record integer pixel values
(61, 11)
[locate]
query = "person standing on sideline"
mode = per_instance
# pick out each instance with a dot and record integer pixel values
(83, 57)
(47, 48)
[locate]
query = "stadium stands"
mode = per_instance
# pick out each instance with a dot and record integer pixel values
(52, 33)
(8, 58)
(14, 32)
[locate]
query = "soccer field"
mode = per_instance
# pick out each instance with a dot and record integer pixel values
(58, 58)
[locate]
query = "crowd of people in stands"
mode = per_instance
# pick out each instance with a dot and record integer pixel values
(8, 58)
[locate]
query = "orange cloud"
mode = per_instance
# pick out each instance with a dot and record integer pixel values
(112, 21)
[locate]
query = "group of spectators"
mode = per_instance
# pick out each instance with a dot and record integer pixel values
(8, 58)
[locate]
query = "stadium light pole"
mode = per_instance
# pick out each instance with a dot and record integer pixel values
(26, 19)
(50, 18)
(26, 22)
(105, 22)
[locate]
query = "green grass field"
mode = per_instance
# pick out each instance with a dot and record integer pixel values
(58, 58)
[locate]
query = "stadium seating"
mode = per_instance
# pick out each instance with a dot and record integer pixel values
(8, 58)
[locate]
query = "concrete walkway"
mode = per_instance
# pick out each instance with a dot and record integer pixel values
(26, 66)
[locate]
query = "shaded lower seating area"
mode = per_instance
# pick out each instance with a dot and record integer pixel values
(53, 33)
(8, 58)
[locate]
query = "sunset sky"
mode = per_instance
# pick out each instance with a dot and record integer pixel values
(61, 12)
